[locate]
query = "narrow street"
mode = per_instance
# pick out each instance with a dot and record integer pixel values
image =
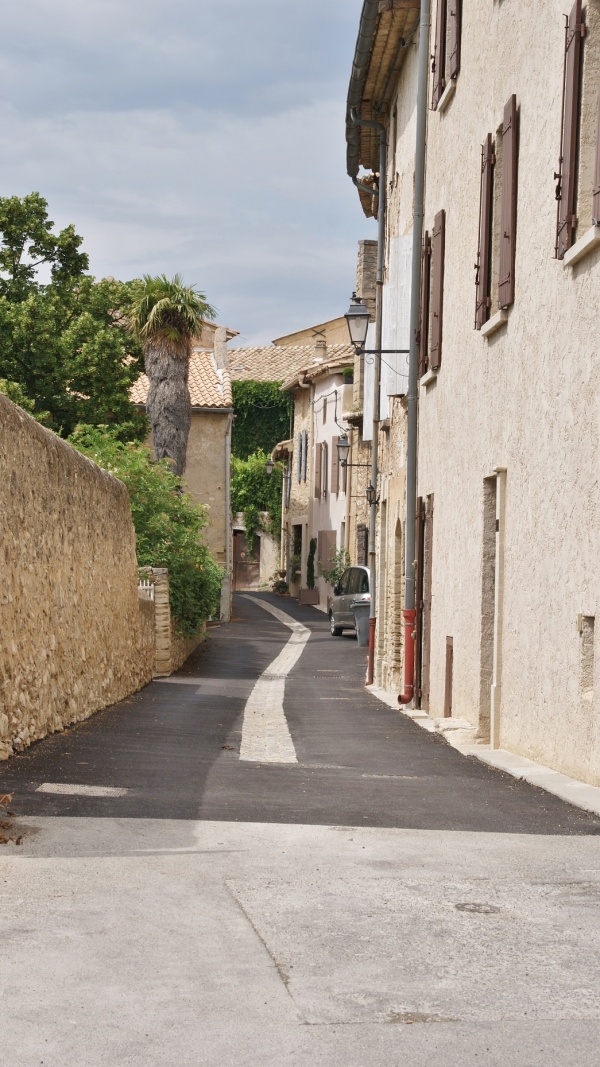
(209, 878)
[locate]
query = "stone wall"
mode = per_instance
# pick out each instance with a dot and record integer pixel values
(74, 636)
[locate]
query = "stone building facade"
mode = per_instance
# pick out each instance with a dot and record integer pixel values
(508, 452)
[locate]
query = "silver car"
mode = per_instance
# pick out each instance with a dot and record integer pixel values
(353, 585)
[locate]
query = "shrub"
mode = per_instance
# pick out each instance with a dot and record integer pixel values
(168, 524)
(254, 491)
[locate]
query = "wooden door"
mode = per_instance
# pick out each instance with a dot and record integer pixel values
(246, 567)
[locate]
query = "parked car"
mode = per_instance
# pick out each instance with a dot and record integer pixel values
(353, 585)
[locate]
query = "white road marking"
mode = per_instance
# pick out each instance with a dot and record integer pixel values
(81, 790)
(265, 733)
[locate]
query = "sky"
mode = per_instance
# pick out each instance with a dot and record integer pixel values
(194, 136)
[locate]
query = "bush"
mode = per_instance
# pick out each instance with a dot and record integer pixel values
(168, 524)
(254, 491)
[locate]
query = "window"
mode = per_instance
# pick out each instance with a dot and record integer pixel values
(355, 580)
(432, 296)
(335, 466)
(495, 265)
(324, 468)
(578, 172)
(446, 57)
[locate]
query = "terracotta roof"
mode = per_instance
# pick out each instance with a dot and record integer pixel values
(209, 387)
(337, 357)
(279, 363)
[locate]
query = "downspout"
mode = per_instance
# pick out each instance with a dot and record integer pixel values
(409, 613)
(226, 586)
(381, 209)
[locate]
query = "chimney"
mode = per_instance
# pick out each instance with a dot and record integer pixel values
(366, 274)
(320, 351)
(220, 348)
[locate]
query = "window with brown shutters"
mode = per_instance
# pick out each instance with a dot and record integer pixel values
(304, 453)
(438, 65)
(324, 467)
(299, 457)
(335, 466)
(596, 186)
(484, 251)
(438, 237)
(455, 19)
(423, 338)
(508, 220)
(317, 470)
(567, 164)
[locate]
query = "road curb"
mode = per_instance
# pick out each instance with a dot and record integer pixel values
(571, 790)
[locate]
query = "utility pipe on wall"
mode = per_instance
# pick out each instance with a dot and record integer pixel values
(381, 206)
(409, 612)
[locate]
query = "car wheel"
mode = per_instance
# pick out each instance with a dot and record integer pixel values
(336, 631)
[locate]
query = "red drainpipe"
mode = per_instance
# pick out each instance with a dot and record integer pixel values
(409, 615)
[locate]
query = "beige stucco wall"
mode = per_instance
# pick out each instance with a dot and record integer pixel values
(526, 398)
(333, 332)
(205, 474)
(74, 637)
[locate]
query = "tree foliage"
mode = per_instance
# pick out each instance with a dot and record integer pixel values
(166, 316)
(262, 417)
(253, 491)
(168, 524)
(66, 343)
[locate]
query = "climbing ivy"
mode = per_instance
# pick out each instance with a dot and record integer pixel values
(254, 491)
(262, 417)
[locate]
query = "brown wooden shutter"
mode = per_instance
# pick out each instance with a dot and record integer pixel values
(438, 239)
(455, 31)
(335, 466)
(423, 337)
(482, 277)
(596, 189)
(317, 451)
(439, 57)
(508, 217)
(299, 457)
(324, 467)
(565, 190)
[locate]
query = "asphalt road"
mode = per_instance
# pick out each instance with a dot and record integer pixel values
(383, 900)
(175, 748)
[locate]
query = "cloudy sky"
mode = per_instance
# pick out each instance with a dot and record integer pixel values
(201, 136)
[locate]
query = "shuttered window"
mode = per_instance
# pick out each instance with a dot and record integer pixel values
(596, 189)
(317, 451)
(424, 313)
(299, 457)
(508, 219)
(567, 177)
(324, 467)
(484, 252)
(455, 16)
(335, 466)
(439, 57)
(437, 288)
(304, 453)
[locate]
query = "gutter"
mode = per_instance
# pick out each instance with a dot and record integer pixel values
(360, 68)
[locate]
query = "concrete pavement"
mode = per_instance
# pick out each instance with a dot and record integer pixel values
(383, 900)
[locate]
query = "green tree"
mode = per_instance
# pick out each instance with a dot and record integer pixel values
(166, 316)
(254, 491)
(65, 343)
(168, 524)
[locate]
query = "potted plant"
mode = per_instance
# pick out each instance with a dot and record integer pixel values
(348, 375)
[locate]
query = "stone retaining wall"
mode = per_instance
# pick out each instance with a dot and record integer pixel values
(74, 637)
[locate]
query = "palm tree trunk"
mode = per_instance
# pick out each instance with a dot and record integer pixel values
(168, 404)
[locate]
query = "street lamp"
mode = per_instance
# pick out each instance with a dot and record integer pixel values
(269, 465)
(343, 447)
(371, 495)
(358, 318)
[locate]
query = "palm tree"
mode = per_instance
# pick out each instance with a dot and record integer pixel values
(166, 316)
